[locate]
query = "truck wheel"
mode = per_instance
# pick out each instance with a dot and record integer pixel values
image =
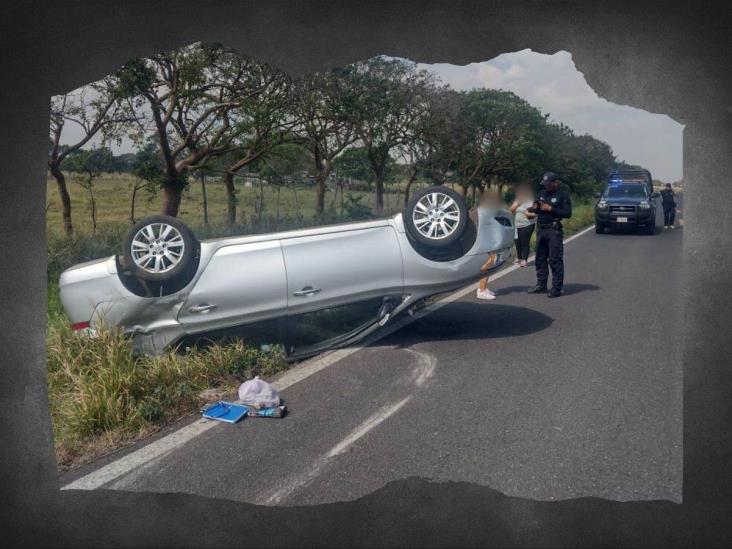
(436, 217)
(159, 248)
(651, 228)
(599, 228)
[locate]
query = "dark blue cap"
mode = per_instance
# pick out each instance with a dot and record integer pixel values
(549, 177)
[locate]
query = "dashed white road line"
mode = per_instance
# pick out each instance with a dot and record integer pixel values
(161, 447)
(282, 493)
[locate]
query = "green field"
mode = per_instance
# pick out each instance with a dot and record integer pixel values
(113, 194)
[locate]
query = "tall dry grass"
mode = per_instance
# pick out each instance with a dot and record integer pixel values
(101, 394)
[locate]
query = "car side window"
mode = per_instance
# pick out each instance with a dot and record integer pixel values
(312, 330)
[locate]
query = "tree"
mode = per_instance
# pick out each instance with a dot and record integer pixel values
(500, 138)
(96, 108)
(388, 97)
(147, 169)
(184, 98)
(322, 109)
(432, 148)
(260, 122)
(89, 165)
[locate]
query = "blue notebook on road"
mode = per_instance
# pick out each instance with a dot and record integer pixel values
(225, 411)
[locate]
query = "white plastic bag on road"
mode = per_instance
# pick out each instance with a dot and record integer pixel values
(258, 393)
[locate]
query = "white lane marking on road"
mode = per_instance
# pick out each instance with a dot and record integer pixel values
(140, 457)
(166, 444)
(425, 367)
(303, 480)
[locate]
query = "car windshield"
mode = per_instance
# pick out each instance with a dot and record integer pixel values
(626, 191)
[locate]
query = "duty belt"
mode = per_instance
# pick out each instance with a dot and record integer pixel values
(552, 225)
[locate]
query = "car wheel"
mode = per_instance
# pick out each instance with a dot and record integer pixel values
(599, 228)
(651, 229)
(159, 248)
(436, 217)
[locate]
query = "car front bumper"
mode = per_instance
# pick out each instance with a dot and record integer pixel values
(637, 217)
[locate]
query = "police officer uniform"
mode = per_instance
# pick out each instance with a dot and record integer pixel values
(549, 237)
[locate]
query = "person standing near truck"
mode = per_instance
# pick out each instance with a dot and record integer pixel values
(553, 205)
(668, 201)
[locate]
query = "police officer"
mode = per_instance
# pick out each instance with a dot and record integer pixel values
(669, 206)
(552, 206)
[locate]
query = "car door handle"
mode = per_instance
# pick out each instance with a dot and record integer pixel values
(306, 291)
(202, 308)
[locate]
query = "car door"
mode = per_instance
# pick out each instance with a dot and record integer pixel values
(242, 284)
(338, 283)
(324, 270)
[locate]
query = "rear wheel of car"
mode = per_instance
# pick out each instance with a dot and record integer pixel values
(651, 229)
(159, 248)
(436, 217)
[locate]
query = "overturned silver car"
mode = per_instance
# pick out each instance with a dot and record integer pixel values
(310, 289)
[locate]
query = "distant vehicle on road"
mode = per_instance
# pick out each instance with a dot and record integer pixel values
(313, 288)
(627, 201)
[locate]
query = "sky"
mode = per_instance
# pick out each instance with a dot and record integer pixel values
(553, 84)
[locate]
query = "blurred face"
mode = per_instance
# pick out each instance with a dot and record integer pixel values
(552, 185)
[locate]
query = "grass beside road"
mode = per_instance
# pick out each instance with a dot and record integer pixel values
(102, 396)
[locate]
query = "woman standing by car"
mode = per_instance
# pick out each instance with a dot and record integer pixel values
(524, 222)
(490, 200)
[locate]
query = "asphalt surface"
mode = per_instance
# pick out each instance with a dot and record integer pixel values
(535, 397)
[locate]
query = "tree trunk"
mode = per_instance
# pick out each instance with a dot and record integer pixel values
(277, 219)
(408, 187)
(380, 194)
(320, 194)
(230, 198)
(93, 209)
(205, 198)
(465, 190)
(171, 199)
(65, 199)
(132, 204)
(473, 197)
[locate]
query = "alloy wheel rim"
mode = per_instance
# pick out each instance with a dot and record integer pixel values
(436, 216)
(157, 248)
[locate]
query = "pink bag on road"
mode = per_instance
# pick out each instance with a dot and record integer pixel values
(258, 393)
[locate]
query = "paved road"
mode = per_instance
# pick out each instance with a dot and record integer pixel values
(540, 398)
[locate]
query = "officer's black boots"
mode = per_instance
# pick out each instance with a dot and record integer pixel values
(554, 292)
(538, 289)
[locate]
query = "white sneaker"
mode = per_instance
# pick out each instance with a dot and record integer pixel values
(665, 226)
(673, 226)
(523, 263)
(485, 294)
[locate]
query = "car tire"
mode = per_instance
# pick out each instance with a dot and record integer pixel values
(160, 248)
(651, 229)
(436, 217)
(599, 228)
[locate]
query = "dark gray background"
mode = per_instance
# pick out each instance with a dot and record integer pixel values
(665, 57)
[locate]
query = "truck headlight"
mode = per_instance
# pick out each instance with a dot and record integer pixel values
(602, 205)
(644, 205)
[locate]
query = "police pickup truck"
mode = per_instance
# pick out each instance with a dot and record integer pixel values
(627, 201)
